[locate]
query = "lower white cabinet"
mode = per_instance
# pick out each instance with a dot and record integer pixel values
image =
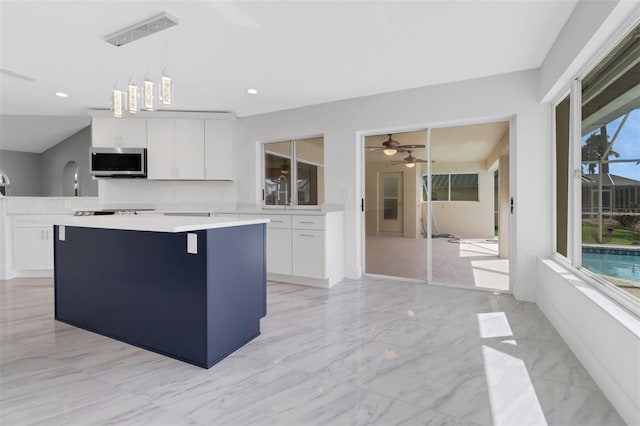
(303, 248)
(279, 259)
(308, 253)
(33, 247)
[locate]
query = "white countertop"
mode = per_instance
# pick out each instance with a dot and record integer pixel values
(155, 223)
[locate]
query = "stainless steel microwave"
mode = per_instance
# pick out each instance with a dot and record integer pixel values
(118, 162)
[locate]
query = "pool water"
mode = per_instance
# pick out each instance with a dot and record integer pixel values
(615, 265)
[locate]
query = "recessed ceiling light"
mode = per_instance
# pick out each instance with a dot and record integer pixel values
(252, 91)
(61, 94)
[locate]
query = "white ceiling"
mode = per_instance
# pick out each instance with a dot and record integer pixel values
(294, 53)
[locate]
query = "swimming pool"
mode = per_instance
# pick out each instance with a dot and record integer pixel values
(625, 266)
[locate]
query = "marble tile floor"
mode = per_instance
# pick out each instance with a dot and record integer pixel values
(364, 352)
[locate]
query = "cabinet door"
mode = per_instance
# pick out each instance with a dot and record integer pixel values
(161, 155)
(189, 149)
(279, 251)
(308, 253)
(33, 248)
(119, 132)
(218, 150)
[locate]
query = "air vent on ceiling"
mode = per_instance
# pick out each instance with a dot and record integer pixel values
(17, 75)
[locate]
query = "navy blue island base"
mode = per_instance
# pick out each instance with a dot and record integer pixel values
(145, 289)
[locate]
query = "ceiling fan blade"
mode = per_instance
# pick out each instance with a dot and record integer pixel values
(410, 146)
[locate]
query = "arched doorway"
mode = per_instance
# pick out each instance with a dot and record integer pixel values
(70, 185)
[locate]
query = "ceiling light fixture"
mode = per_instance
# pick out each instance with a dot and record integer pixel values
(61, 94)
(284, 168)
(252, 91)
(410, 165)
(130, 97)
(389, 151)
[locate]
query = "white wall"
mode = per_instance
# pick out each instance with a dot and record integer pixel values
(186, 195)
(74, 148)
(479, 100)
(604, 337)
(24, 172)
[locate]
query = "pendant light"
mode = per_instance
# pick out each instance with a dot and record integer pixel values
(165, 89)
(147, 94)
(131, 97)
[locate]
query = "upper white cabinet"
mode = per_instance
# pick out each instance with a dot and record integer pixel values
(180, 145)
(218, 150)
(109, 132)
(175, 149)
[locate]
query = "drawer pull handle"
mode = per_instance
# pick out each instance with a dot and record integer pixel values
(276, 221)
(311, 223)
(307, 235)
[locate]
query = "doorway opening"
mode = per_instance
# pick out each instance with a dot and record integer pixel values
(447, 222)
(70, 183)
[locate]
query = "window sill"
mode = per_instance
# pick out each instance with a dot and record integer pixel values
(626, 312)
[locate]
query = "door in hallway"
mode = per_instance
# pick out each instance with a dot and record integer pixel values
(390, 197)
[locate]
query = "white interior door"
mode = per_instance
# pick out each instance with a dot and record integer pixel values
(391, 202)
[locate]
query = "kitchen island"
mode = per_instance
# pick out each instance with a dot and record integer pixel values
(189, 288)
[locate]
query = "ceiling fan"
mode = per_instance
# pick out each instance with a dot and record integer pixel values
(390, 147)
(409, 161)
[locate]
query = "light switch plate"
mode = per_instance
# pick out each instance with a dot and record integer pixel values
(192, 243)
(61, 233)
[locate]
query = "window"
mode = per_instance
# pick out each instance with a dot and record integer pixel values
(300, 161)
(610, 154)
(453, 187)
(607, 220)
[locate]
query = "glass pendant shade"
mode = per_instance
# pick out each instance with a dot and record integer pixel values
(132, 97)
(147, 94)
(389, 151)
(410, 165)
(166, 90)
(117, 102)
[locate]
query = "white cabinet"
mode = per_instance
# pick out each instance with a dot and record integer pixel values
(308, 253)
(218, 150)
(279, 259)
(304, 249)
(175, 149)
(33, 247)
(109, 132)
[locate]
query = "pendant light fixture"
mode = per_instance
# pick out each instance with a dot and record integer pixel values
(132, 97)
(165, 89)
(147, 94)
(145, 28)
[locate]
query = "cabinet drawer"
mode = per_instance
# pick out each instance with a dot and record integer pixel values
(308, 222)
(278, 220)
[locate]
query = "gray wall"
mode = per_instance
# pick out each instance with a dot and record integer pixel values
(24, 171)
(74, 148)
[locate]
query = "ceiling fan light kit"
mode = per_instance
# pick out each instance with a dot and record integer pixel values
(391, 147)
(129, 100)
(389, 151)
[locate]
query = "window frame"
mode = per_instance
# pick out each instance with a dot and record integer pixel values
(449, 200)
(293, 170)
(574, 222)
